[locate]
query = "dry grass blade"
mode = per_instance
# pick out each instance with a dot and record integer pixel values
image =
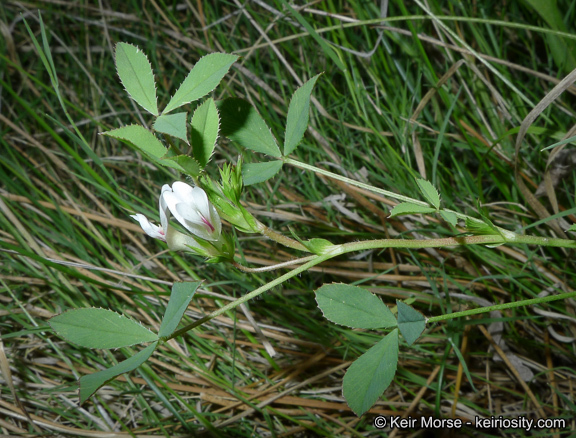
(552, 95)
(7, 374)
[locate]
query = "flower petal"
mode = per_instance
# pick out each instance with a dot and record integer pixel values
(183, 191)
(172, 201)
(195, 223)
(164, 210)
(178, 241)
(215, 220)
(200, 201)
(191, 207)
(149, 228)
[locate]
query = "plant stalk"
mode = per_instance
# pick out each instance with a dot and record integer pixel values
(501, 307)
(402, 243)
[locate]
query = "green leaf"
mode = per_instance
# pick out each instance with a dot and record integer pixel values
(410, 322)
(254, 173)
(370, 375)
(409, 208)
(318, 246)
(298, 115)
(147, 142)
(429, 192)
(172, 124)
(136, 75)
(353, 306)
(92, 382)
(449, 217)
(572, 228)
(202, 79)
(100, 328)
(241, 123)
(205, 125)
(184, 164)
(182, 293)
(481, 228)
(140, 137)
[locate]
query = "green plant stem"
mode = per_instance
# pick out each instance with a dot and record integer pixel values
(353, 182)
(501, 307)
(399, 243)
(253, 294)
(386, 193)
(456, 241)
(280, 238)
(272, 267)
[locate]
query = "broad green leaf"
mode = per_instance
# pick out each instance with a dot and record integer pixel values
(429, 192)
(172, 124)
(184, 164)
(92, 382)
(202, 79)
(572, 228)
(370, 375)
(147, 142)
(353, 306)
(449, 217)
(298, 115)
(410, 322)
(182, 293)
(140, 137)
(136, 75)
(205, 125)
(254, 173)
(100, 328)
(409, 208)
(240, 122)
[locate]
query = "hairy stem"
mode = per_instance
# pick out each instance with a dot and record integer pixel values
(354, 183)
(401, 243)
(386, 193)
(501, 307)
(273, 267)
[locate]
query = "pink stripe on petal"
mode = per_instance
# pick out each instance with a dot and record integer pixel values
(208, 224)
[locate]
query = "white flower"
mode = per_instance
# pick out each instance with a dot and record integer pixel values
(176, 240)
(190, 206)
(149, 228)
